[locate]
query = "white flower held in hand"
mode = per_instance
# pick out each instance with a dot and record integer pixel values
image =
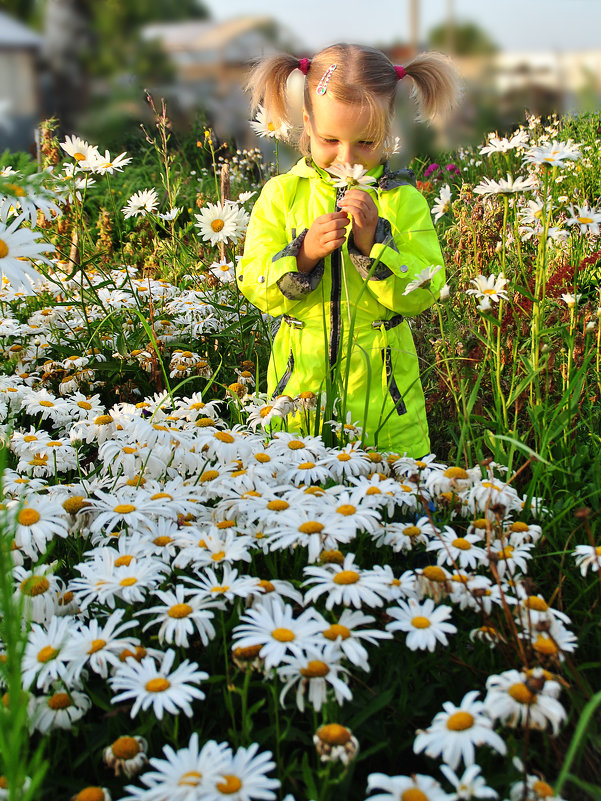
(350, 175)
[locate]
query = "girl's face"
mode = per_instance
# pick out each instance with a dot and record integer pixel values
(339, 133)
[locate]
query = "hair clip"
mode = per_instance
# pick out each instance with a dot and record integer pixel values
(322, 86)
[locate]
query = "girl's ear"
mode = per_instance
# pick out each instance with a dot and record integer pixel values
(306, 119)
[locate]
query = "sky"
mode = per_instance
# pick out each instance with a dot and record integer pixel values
(520, 25)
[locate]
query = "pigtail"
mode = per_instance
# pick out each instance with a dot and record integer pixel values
(436, 85)
(267, 86)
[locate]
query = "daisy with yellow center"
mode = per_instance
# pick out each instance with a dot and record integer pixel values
(221, 222)
(424, 623)
(455, 733)
(517, 699)
(316, 671)
(346, 584)
(270, 622)
(126, 755)
(158, 686)
(181, 615)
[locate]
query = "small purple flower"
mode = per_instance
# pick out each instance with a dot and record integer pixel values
(453, 169)
(431, 169)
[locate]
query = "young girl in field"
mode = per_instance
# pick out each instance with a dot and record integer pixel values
(338, 264)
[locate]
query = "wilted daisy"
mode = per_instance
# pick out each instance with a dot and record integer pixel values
(517, 699)
(18, 248)
(126, 755)
(263, 126)
(455, 733)
(159, 687)
(350, 175)
(335, 743)
(141, 203)
(424, 623)
(221, 222)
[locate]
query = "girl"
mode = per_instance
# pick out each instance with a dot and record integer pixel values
(338, 265)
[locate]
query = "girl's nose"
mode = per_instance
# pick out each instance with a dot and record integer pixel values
(345, 153)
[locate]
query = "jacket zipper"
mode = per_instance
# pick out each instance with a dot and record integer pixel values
(335, 293)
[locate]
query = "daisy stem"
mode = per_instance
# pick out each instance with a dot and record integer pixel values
(276, 719)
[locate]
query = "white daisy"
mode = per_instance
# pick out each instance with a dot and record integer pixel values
(221, 222)
(347, 175)
(347, 634)
(141, 203)
(555, 154)
(243, 777)
(442, 204)
(272, 624)
(516, 699)
(469, 785)
(455, 732)
(316, 670)
(423, 279)
(425, 623)
(18, 248)
(159, 687)
(184, 775)
(98, 646)
(403, 788)
(264, 127)
(345, 584)
(489, 287)
(487, 187)
(181, 615)
(58, 710)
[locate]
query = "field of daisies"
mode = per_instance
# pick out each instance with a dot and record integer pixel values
(209, 594)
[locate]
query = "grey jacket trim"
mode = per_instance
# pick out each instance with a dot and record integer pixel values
(293, 285)
(391, 179)
(363, 264)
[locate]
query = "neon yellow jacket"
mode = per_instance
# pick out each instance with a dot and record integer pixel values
(348, 303)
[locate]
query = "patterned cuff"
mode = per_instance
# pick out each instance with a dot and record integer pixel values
(364, 264)
(295, 285)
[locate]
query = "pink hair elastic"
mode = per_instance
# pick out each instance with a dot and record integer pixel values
(322, 86)
(400, 71)
(303, 65)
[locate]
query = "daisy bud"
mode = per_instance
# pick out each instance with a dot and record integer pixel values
(444, 293)
(127, 755)
(248, 659)
(335, 743)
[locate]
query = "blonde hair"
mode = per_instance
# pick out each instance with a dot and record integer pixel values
(364, 77)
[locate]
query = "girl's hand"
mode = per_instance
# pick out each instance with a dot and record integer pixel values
(361, 207)
(327, 233)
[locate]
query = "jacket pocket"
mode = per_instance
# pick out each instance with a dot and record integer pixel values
(281, 385)
(393, 389)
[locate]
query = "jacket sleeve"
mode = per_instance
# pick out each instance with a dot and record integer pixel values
(405, 245)
(267, 274)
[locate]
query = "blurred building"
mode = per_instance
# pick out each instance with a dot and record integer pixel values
(211, 61)
(20, 102)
